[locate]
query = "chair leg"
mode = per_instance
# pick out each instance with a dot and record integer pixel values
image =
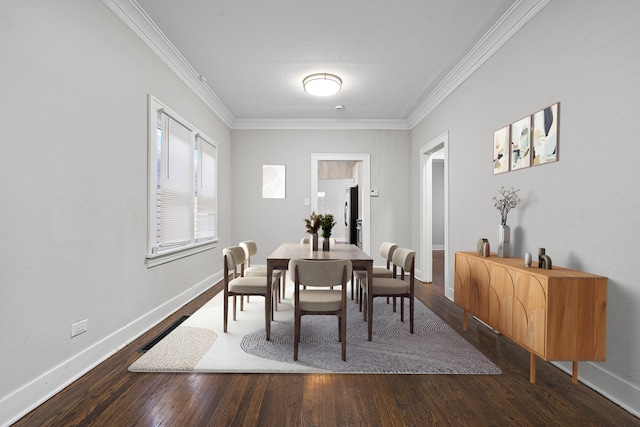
(296, 337)
(352, 287)
(364, 300)
(225, 316)
(234, 306)
(411, 307)
(401, 308)
(242, 302)
(343, 334)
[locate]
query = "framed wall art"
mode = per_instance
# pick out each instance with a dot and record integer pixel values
(520, 147)
(545, 135)
(273, 181)
(501, 150)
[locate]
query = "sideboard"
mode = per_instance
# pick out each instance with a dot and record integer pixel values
(558, 314)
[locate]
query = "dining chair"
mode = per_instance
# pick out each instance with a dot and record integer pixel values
(312, 301)
(386, 250)
(237, 284)
(394, 286)
(250, 249)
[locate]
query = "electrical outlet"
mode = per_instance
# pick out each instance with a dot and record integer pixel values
(79, 328)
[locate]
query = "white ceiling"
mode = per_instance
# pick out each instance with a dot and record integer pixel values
(247, 59)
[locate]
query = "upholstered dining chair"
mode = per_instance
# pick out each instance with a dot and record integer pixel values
(386, 250)
(394, 286)
(250, 249)
(237, 284)
(311, 301)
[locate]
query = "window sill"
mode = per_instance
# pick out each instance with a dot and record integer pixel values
(153, 260)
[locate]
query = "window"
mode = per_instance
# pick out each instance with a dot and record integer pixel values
(182, 187)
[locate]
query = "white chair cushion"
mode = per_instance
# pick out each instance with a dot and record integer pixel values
(377, 272)
(390, 286)
(260, 270)
(320, 300)
(249, 285)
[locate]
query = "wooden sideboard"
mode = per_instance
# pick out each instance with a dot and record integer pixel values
(557, 314)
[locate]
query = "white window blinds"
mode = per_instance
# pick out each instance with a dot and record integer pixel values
(182, 184)
(176, 183)
(205, 209)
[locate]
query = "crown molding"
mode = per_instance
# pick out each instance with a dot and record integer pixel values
(134, 17)
(130, 12)
(511, 22)
(316, 124)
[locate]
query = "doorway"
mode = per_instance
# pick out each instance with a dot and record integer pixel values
(363, 161)
(434, 151)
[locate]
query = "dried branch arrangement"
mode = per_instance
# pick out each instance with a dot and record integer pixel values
(508, 201)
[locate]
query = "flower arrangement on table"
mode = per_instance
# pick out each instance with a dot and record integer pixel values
(313, 223)
(508, 201)
(327, 225)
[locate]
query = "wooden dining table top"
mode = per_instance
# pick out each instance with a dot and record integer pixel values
(288, 251)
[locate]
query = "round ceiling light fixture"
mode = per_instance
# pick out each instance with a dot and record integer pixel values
(322, 84)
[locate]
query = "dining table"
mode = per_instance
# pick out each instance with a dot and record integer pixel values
(279, 260)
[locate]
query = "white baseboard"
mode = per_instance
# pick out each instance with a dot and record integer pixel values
(23, 400)
(614, 388)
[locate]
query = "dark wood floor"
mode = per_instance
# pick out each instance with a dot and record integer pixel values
(111, 396)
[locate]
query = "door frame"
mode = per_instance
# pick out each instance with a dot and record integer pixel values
(366, 189)
(428, 153)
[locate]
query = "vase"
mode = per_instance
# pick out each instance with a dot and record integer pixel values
(527, 259)
(313, 242)
(325, 244)
(486, 249)
(504, 235)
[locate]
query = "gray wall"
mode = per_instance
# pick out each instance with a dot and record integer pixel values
(281, 220)
(73, 185)
(583, 209)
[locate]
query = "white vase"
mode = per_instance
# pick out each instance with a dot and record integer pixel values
(504, 235)
(527, 259)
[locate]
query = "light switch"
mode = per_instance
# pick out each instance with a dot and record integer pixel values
(374, 192)
(306, 202)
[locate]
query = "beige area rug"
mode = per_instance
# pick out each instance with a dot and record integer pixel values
(199, 345)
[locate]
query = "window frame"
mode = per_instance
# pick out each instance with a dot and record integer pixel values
(155, 254)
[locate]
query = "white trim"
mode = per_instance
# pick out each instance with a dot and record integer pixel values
(172, 255)
(130, 12)
(314, 124)
(427, 154)
(34, 393)
(611, 386)
(366, 189)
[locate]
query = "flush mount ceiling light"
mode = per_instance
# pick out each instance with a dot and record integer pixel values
(322, 84)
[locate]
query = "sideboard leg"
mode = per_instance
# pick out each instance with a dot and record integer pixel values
(574, 372)
(532, 369)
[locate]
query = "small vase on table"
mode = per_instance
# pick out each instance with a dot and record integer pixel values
(504, 235)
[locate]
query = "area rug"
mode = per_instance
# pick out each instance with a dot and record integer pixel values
(199, 345)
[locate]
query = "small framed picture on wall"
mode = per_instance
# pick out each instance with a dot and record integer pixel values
(521, 144)
(501, 150)
(545, 135)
